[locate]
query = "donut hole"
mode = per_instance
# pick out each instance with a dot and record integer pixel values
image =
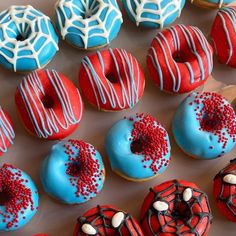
(20, 37)
(73, 169)
(210, 122)
(181, 212)
(5, 197)
(89, 9)
(177, 57)
(136, 146)
(47, 102)
(22, 32)
(111, 78)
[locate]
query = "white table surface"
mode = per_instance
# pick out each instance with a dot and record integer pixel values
(27, 153)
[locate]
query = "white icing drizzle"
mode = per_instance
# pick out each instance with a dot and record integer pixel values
(117, 219)
(130, 93)
(192, 44)
(187, 194)
(6, 132)
(48, 121)
(83, 27)
(160, 206)
(88, 229)
(230, 179)
(30, 21)
(143, 6)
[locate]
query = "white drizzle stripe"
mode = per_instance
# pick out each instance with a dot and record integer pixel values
(48, 122)
(6, 132)
(130, 93)
(192, 42)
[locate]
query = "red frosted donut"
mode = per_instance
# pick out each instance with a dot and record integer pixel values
(111, 79)
(223, 35)
(7, 133)
(107, 220)
(224, 191)
(180, 59)
(49, 104)
(176, 207)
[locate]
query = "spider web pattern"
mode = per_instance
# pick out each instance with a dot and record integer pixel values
(169, 221)
(93, 25)
(139, 8)
(29, 23)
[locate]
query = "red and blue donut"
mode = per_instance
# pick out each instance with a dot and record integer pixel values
(111, 79)
(19, 198)
(180, 59)
(49, 104)
(176, 207)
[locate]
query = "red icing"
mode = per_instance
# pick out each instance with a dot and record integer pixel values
(84, 170)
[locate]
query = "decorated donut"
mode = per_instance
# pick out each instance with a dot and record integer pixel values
(49, 104)
(19, 198)
(176, 207)
(138, 147)
(224, 191)
(204, 125)
(88, 24)
(73, 167)
(28, 40)
(180, 59)
(211, 3)
(7, 133)
(223, 36)
(153, 14)
(111, 79)
(107, 220)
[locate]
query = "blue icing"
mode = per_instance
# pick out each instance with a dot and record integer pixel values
(32, 25)
(191, 139)
(122, 159)
(77, 25)
(154, 14)
(55, 180)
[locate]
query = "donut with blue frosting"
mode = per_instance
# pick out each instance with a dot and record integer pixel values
(88, 24)
(138, 147)
(73, 167)
(28, 40)
(49, 104)
(19, 198)
(7, 134)
(204, 125)
(223, 36)
(152, 13)
(211, 4)
(111, 80)
(180, 59)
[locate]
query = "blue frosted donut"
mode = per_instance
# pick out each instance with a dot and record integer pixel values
(75, 168)
(153, 14)
(204, 125)
(28, 40)
(138, 147)
(19, 198)
(88, 23)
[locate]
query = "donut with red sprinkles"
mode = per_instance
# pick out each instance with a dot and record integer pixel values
(138, 147)
(73, 167)
(204, 125)
(18, 198)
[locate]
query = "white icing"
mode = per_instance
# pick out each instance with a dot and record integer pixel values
(117, 219)
(88, 229)
(48, 121)
(230, 179)
(160, 206)
(187, 194)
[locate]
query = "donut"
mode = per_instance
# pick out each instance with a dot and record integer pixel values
(73, 167)
(223, 36)
(7, 134)
(88, 24)
(107, 220)
(138, 147)
(204, 125)
(211, 4)
(19, 198)
(224, 191)
(28, 40)
(49, 104)
(180, 59)
(153, 14)
(111, 80)
(176, 207)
